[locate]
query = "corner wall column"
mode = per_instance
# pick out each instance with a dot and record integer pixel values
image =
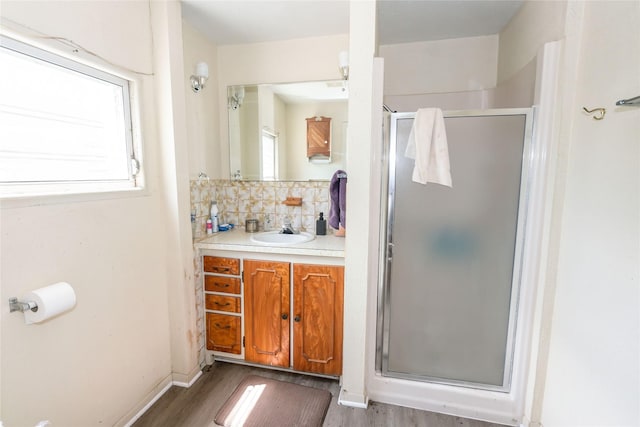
(360, 135)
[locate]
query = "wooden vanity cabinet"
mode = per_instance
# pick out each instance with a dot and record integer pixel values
(266, 314)
(318, 136)
(318, 300)
(222, 303)
(256, 318)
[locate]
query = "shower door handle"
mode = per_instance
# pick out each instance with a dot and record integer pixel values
(389, 251)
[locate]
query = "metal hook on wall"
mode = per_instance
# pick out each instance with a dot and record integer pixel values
(598, 113)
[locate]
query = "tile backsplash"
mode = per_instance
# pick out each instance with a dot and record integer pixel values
(241, 200)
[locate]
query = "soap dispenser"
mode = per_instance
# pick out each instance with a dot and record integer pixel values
(321, 225)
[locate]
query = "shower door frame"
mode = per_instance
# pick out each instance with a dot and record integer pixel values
(386, 249)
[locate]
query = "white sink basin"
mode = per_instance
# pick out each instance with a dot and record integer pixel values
(275, 238)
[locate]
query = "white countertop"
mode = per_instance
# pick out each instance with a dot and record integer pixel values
(239, 240)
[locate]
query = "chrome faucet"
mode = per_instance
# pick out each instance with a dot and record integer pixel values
(287, 228)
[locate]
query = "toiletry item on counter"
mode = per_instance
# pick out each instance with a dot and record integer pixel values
(209, 226)
(321, 225)
(251, 225)
(267, 222)
(193, 226)
(214, 217)
(225, 227)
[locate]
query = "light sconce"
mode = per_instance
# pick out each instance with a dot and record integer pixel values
(200, 77)
(235, 96)
(343, 64)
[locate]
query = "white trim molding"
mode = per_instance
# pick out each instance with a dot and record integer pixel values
(353, 400)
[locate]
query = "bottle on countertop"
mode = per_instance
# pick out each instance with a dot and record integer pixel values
(214, 217)
(209, 226)
(321, 225)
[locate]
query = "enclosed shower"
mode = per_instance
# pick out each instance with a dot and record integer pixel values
(452, 257)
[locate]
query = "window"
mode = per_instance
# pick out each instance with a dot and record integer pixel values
(64, 126)
(268, 149)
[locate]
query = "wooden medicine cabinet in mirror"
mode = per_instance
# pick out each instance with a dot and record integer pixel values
(319, 138)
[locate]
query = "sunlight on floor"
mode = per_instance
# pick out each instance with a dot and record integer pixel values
(245, 405)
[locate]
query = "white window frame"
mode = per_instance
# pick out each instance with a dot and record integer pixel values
(18, 190)
(273, 137)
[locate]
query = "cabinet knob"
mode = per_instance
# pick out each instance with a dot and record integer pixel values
(297, 318)
(285, 316)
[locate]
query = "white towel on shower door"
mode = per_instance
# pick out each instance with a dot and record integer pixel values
(428, 146)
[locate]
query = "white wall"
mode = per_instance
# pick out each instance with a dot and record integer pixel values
(249, 131)
(593, 374)
(536, 23)
(170, 91)
(300, 168)
(454, 65)
(363, 135)
(96, 364)
(202, 107)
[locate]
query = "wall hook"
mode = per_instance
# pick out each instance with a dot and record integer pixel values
(598, 113)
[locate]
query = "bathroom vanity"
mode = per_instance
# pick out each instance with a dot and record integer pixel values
(275, 306)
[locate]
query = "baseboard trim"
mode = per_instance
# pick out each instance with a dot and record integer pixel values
(164, 385)
(186, 380)
(190, 383)
(353, 400)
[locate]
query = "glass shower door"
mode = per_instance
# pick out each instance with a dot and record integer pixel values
(452, 254)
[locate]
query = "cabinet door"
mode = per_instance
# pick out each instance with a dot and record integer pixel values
(318, 299)
(266, 311)
(223, 333)
(318, 136)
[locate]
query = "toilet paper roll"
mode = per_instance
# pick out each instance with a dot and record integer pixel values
(51, 300)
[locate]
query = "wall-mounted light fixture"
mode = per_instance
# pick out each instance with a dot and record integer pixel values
(343, 64)
(200, 77)
(235, 96)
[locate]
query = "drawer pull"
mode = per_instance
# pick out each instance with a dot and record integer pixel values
(221, 285)
(221, 269)
(219, 326)
(222, 305)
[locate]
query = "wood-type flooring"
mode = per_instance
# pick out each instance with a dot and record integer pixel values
(197, 406)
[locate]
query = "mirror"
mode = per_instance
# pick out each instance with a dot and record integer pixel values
(268, 130)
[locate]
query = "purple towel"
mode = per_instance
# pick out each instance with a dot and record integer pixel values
(338, 194)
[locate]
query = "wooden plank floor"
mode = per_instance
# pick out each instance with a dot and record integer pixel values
(198, 405)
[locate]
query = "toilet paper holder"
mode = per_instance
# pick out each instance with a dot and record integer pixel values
(22, 306)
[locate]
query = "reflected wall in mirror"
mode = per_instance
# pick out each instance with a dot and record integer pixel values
(268, 130)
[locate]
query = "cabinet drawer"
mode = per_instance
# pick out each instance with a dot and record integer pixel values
(223, 333)
(228, 285)
(222, 303)
(215, 264)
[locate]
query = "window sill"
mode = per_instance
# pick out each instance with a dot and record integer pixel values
(72, 194)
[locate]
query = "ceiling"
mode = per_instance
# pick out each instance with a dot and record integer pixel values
(399, 21)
